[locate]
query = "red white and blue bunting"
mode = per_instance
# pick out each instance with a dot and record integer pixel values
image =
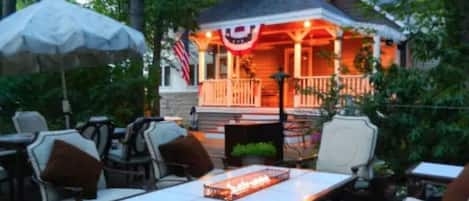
(241, 40)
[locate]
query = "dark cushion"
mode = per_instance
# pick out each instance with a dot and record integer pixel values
(458, 190)
(187, 151)
(69, 166)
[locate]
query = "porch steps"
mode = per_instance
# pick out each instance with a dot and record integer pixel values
(213, 124)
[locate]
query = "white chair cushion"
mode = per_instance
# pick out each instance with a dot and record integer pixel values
(346, 142)
(40, 150)
(113, 194)
(29, 122)
(159, 133)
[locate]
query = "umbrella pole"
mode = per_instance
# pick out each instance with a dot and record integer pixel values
(65, 104)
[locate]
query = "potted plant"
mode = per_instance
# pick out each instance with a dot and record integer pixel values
(254, 153)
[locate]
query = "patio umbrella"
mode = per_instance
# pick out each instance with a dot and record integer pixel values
(54, 35)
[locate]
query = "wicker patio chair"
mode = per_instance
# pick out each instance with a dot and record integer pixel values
(39, 153)
(133, 152)
(29, 122)
(347, 146)
(99, 129)
(161, 133)
(4, 176)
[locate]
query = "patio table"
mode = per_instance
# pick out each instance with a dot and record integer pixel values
(302, 185)
(119, 133)
(434, 172)
(18, 142)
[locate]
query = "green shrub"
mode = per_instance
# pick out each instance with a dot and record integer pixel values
(261, 149)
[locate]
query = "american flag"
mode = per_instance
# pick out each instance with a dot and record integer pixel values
(181, 49)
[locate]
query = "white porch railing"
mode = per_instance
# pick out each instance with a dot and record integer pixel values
(354, 85)
(308, 85)
(236, 92)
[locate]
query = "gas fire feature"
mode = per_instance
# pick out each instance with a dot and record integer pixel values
(238, 187)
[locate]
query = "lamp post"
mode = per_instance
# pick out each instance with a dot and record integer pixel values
(280, 78)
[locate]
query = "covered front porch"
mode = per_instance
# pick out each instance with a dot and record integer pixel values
(310, 51)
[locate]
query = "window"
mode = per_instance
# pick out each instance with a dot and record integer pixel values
(193, 74)
(166, 76)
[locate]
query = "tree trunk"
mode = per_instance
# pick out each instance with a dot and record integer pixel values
(136, 11)
(136, 14)
(8, 7)
(156, 67)
(463, 6)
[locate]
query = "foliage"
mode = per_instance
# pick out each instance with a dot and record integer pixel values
(92, 91)
(422, 115)
(160, 17)
(261, 149)
(330, 99)
(382, 169)
(410, 108)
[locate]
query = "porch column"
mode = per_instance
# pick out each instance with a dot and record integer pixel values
(217, 63)
(229, 65)
(202, 45)
(337, 54)
(238, 67)
(202, 66)
(229, 77)
(376, 51)
(297, 37)
(297, 69)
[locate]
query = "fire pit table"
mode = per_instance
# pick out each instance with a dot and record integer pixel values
(256, 182)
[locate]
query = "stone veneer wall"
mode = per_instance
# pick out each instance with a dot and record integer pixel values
(178, 104)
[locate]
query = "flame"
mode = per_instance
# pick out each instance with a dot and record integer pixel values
(246, 185)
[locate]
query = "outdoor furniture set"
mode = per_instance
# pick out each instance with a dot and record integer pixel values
(340, 164)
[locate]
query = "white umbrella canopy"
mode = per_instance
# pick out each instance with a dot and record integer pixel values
(54, 35)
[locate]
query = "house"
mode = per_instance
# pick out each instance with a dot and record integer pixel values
(241, 43)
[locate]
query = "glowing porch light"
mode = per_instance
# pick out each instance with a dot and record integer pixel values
(208, 34)
(307, 24)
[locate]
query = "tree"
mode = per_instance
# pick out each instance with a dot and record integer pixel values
(8, 7)
(136, 15)
(423, 114)
(163, 16)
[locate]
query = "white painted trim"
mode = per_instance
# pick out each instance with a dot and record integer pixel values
(257, 110)
(189, 89)
(307, 14)
(386, 14)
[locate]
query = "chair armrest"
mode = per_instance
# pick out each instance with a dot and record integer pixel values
(355, 168)
(146, 183)
(74, 191)
(123, 172)
(180, 166)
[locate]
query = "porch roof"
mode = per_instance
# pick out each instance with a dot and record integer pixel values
(340, 12)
